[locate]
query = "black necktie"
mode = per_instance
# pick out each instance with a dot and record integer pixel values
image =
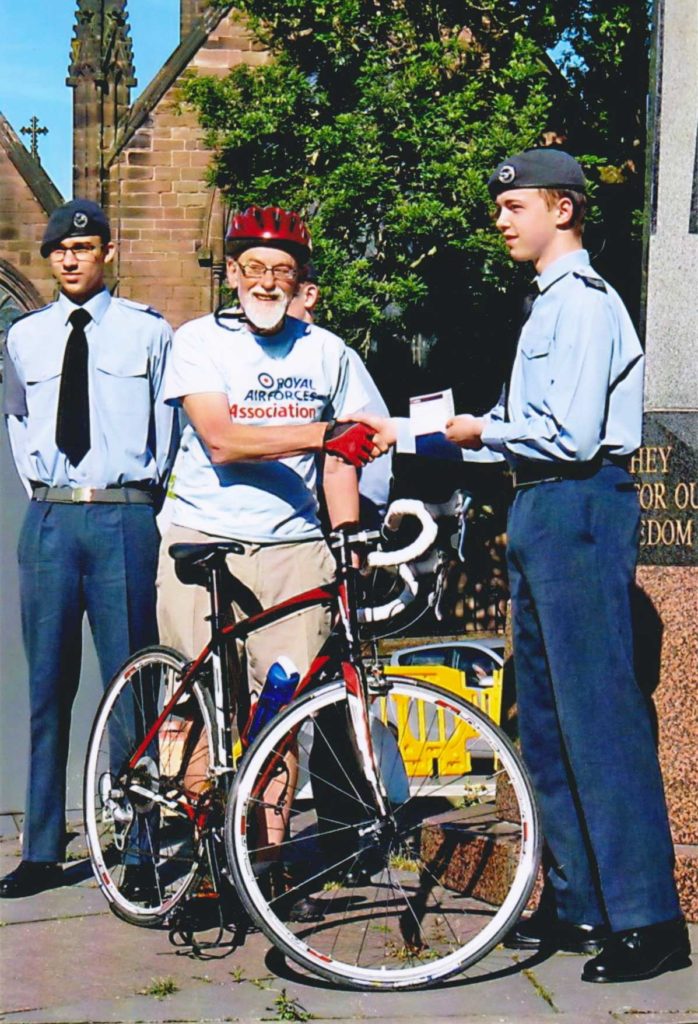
(526, 307)
(73, 419)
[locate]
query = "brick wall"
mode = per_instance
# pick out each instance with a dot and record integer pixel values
(22, 224)
(161, 209)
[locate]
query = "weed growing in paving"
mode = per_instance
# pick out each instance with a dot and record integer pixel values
(540, 989)
(160, 987)
(261, 983)
(288, 1008)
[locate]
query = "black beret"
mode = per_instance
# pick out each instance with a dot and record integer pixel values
(538, 168)
(77, 218)
(310, 273)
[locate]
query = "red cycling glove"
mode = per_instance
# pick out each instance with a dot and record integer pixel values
(351, 442)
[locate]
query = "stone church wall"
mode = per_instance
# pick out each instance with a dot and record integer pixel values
(169, 223)
(22, 224)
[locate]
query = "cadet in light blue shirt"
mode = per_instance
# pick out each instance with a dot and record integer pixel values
(569, 420)
(92, 440)
(576, 384)
(131, 426)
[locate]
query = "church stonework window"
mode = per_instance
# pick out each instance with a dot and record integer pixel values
(10, 309)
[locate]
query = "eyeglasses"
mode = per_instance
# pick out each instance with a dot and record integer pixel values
(255, 271)
(82, 252)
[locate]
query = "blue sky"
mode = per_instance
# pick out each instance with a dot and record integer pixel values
(34, 55)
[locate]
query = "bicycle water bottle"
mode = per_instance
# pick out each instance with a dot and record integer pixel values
(282, 679)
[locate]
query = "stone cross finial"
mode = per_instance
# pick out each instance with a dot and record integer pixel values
(33, 129)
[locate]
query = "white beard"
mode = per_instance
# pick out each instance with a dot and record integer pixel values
(265, 314)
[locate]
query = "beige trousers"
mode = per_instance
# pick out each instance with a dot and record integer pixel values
(273, 572)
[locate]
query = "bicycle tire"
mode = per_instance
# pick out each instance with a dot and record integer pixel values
(403, 904)
(144, 847)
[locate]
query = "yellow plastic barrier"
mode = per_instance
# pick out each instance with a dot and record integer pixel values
(426, 748)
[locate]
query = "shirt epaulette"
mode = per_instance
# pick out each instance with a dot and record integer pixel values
(141, 306)
(30, 312)
(591, 280)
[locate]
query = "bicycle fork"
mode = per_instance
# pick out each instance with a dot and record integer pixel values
(361, 726)
(354, 681)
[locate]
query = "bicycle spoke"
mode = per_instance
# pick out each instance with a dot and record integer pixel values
(141, 803)
(402, 900)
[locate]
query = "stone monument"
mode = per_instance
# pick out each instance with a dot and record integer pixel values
(666, 466)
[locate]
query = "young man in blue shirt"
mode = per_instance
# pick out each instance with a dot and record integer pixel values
(567, 424)
(92, 440)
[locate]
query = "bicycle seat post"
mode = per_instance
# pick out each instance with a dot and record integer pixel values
(215, 590)
(225, 665)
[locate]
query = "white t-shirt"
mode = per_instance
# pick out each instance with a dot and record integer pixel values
(297, 376)
(376, 477)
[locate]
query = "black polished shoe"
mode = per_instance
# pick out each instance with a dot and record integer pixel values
(307, 908)
(139, 885)
(641, 953)
(546, 932)
(29, 878)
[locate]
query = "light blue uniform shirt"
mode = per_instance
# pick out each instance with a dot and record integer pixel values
(576, 383)
(131, 427)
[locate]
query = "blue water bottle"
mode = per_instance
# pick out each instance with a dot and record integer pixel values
(282, 679)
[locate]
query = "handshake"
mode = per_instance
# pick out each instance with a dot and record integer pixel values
(354, 442)
(363, 437)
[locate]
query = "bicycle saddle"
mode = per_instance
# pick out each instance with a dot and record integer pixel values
(190, 556)
(195, 562)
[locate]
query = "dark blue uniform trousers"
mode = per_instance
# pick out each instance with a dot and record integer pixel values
(585, 729)
(94, 558)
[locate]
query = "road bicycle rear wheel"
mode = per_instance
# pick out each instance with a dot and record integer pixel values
(142, 820)
(395, 903)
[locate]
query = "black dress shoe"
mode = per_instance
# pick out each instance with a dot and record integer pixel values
(641, 953)
(306, 909)
(29, 878)
(543, 931)
(139, 885)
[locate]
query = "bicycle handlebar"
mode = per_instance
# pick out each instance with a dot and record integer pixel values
(394, 516)
(386, 611)
(378, 559)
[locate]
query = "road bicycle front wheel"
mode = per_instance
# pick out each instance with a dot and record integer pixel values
(391, 902)
(147, 789)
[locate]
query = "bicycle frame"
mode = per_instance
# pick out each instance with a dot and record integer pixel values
(341, 594)
(376, 870)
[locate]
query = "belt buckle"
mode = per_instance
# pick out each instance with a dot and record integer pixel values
(79, 494)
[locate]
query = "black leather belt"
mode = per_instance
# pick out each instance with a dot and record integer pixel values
(126, 495)
(530, 472)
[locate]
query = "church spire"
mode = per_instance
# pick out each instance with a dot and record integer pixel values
(190, 11)
(101, 72)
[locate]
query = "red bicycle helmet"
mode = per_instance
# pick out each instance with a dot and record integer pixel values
(272, 226)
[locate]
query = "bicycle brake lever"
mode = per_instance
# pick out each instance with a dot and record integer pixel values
(467, 500)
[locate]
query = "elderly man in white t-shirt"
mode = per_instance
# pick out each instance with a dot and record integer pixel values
(260, 390)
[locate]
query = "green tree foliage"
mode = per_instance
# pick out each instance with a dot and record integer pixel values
(381, 120)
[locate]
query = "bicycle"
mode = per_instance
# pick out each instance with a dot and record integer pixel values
(385, 808)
